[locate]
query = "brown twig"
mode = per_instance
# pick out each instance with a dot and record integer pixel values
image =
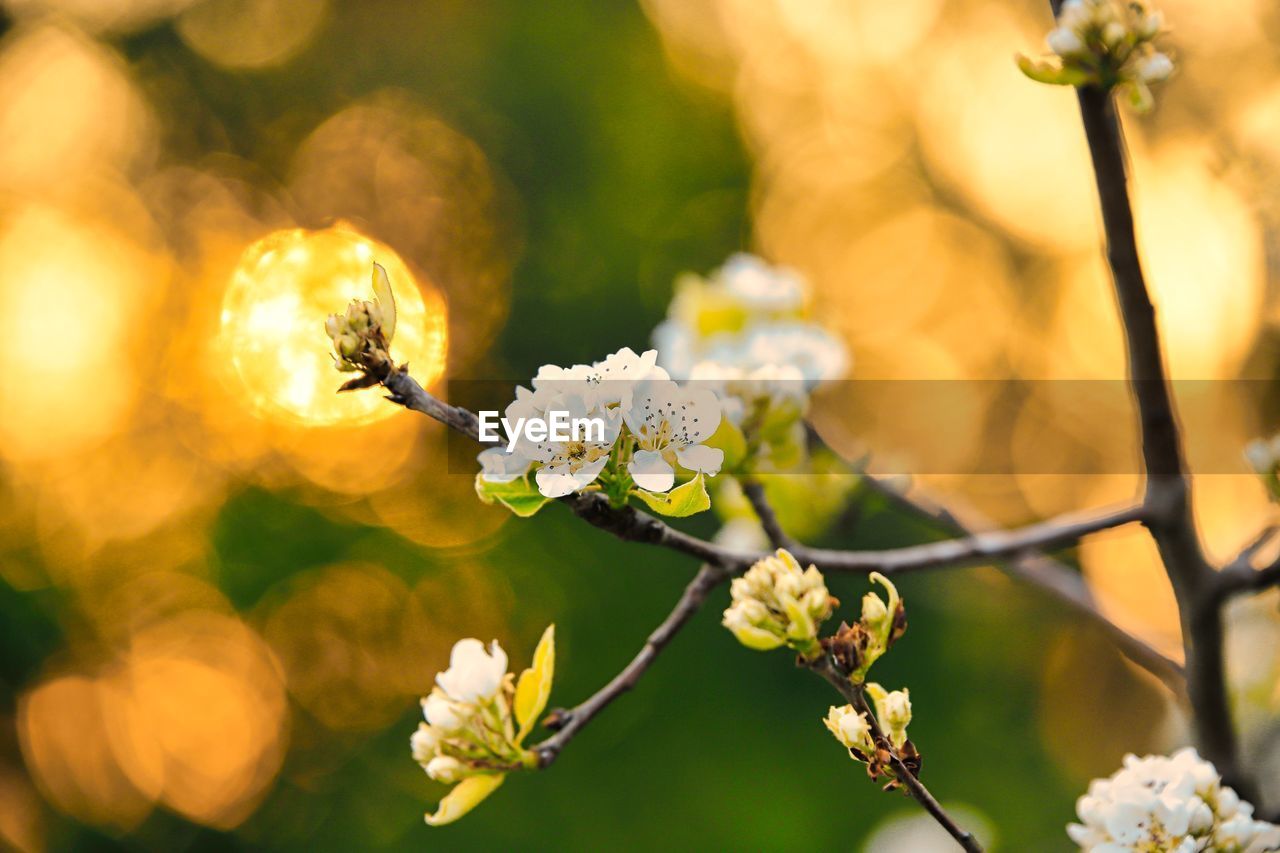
(1051, 576)
(572, 721)
(853, 694)
(1167, 500)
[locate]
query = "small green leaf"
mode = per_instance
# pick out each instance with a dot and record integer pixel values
(386, 301)
(689, 499)
(464, 797)
(1041, 72)
(534, 687)
(520, 496)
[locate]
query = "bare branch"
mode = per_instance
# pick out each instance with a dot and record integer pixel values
(973, 548)
(1059, 580)
(853, 694)
(572, 721)
(1168, 493)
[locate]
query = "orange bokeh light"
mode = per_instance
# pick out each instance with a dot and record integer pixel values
(273, 315)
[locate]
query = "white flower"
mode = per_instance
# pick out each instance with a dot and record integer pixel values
(1154, 67)
(603, 383)
(810, 349)
(850, 728)
(566, 466)
(669, 424)
(473, 674)
(1174, 803)
(499, 466)
(1106, 43)
(746, 315)
(443, 713)
(744, 392)
(761, 287)
(1064, 41)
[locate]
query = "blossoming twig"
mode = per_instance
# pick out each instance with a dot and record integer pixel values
(636, 526)
(854, 695)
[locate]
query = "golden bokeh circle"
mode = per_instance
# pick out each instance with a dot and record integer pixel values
(272, 326)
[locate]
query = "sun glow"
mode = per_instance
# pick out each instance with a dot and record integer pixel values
(273, 316)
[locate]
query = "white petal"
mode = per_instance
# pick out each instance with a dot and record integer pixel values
(499, 466)
(699, 457)
(555, 481)
(651, 472)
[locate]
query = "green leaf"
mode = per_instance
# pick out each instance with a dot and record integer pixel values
(464, 797)
(386, 301)
(520, 496)
(689, 499)
(729, 438)
(534, 687)
(1041, 72)
(1055, 75)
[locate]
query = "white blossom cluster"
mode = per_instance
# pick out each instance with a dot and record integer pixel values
(749, 319)
(744, 332)
(1172, 804)
(1107, 43)
(652, 425)
(468, 716)
(476, 719)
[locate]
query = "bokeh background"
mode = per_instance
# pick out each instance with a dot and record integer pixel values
(222, 589)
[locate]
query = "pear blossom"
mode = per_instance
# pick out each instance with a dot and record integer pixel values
(1174, 803)
(776, 603)
(1107, 43)
(497, 465)
(761, 287)
(745, 394)
(473, 673)
(669, 423)
(606, 382)
(476, 719)
(564, 466)
(747, 315)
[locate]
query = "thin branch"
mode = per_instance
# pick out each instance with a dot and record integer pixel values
(1168, 493)
(853, 694)
(572, 721)
(1062, 582)
(635, 526)
(975, 547)
(754, 490)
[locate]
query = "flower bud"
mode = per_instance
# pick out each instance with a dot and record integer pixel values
(850, 728)
(1154, 67)
(893, 710)
(445, 769)
(776, 602)
(442, 713)
(1064, 42)
(423, 743)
